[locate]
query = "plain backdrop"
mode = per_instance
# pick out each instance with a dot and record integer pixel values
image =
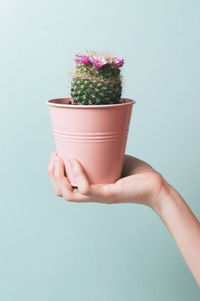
(51, 249)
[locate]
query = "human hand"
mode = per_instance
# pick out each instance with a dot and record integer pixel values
(139, 183)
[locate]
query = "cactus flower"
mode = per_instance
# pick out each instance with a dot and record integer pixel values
(118, 62)
(98, 62)
(84, 59)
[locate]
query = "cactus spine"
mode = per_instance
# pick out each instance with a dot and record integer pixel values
(96, 79)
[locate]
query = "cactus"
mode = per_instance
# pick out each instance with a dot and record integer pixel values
(96, 79)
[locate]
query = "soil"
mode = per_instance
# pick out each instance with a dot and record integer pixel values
(70, 102)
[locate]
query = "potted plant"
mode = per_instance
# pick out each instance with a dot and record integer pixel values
(92, 125)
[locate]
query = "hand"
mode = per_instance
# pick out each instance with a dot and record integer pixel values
(139, 183)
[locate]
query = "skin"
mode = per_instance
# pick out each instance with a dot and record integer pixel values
(139, 183)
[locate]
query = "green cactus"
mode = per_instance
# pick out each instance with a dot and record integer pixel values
(96, 79)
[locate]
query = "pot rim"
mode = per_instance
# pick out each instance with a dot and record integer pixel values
(55, 103)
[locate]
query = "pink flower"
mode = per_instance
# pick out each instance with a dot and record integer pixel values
(84, 59)
(118, 62)
(98, 62)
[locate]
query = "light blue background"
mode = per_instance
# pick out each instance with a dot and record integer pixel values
(55, 250)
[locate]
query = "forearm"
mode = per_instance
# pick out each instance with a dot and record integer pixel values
(182, 224)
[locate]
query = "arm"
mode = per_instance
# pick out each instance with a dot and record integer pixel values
(182, 224)
(139, 183)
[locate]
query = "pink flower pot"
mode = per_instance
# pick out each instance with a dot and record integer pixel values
(95, 135)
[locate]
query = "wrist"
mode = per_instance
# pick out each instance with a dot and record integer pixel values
(166, 194)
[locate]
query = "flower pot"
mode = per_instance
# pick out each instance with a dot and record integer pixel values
(95, 135)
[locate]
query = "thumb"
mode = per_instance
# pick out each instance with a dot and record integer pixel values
(80, 176)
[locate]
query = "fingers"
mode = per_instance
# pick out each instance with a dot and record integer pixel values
(51, 170)
(86, 192)
(60, 182)
(103, 193)
(81, 178)
(56, 172)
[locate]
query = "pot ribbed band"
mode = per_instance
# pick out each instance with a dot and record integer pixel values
(89, 137)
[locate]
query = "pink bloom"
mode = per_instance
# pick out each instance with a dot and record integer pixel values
(118, 62)
(98, 62)
(84, 59)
